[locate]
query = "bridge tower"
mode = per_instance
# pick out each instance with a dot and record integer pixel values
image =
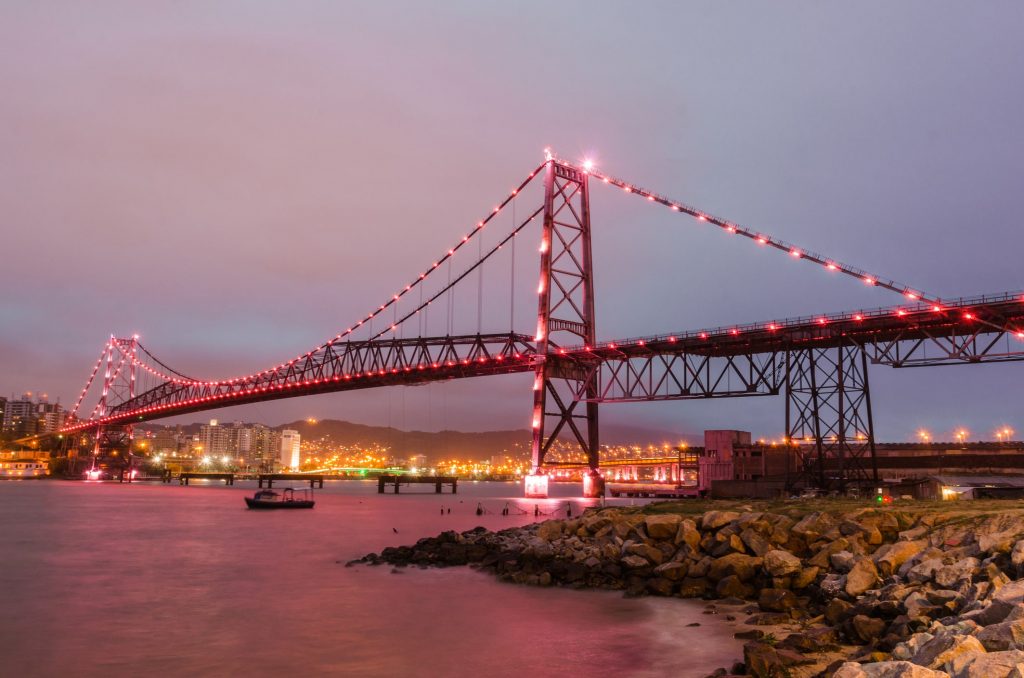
(118, 386)
(828, 417)
(565, 316)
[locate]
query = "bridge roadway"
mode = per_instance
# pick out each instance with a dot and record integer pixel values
(722, 362)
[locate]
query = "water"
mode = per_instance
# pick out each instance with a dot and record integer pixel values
(118, 580)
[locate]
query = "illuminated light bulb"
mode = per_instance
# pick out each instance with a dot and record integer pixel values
(869, 281)
(734, 331)
(911, 296)
(701, 217)
(1020, 335)
(822, 321)
(731, 228)
(588, 164)
(901, 312)
(627, 189)
(795, 253)
(496, 210)
(672, 340)
(772, 327)
(762, 240)
(968, 316)
(675, 208)
(858, 317)
(936, 308)
(611, 345)
(830, 266)
(650, 197)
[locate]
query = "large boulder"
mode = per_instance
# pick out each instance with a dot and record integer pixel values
(712, 520)
(1007, 635)
(823, 558)
(781, 563)
(988, 665)
(692, 587)
(776, 600)
(868, 628)
(896, 669)
(688, 534)
(942, 649)
(755, 542)
(1017, 555)
(662, 526)
(812, 526)
(550, 530)
(805, 578)
(673, 571)
(924, 571)
(739, 564)
(647, 551)
(862, 576)
(947, 576)
(888, 558)
(733, 587)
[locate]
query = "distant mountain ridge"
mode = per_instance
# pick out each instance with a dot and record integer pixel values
(444, 444)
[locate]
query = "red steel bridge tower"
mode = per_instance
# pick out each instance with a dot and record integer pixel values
(566, 316)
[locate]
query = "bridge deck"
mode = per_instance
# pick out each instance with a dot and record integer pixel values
(959, 331)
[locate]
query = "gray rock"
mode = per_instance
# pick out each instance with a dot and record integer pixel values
(893, 669)
(712, 520)
(940, 650)
(862, 576)
(924, 571)
(781, 563)
(948, 575)
(1007, 635)
(842, 561)
(987, 665)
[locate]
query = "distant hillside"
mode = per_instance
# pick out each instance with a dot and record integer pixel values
(405, 443)
(435, 445)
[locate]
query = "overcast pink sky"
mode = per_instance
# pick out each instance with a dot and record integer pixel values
(237, 181)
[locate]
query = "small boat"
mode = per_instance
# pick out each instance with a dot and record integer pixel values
(287, 498)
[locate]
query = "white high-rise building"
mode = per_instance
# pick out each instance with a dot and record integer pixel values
(290, 449)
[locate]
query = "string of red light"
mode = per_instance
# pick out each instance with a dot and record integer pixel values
(95, 371)
(911, 293)
(395, 298)
(831, 264)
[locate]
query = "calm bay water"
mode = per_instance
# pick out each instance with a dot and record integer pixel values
(118, 580)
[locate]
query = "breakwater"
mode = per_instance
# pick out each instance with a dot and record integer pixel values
(818, 589)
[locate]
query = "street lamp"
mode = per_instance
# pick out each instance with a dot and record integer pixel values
(961, 435)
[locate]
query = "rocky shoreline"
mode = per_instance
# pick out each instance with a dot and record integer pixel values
(823, 590)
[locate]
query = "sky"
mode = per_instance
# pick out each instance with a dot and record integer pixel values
(239, 181)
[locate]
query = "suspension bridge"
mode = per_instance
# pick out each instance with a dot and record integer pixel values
(423, 333)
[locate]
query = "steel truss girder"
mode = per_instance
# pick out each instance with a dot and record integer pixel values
(679, 376)
(565, 312)
(952, 345)
(828, 415)
(347, 365)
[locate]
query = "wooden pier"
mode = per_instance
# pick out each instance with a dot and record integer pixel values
(228, 478)
(313, 480)
(437, 481)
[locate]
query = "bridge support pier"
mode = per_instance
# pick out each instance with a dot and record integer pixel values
(565, 315)
(828, 417)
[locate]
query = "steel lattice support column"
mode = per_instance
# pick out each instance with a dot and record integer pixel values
(828, 416)
(565, 317)
(118, 387)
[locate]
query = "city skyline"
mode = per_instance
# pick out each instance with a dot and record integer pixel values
(208, 203)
